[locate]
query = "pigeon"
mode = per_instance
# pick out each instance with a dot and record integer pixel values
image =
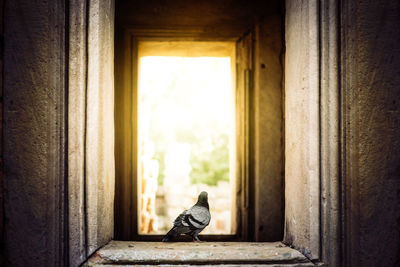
(192, 221)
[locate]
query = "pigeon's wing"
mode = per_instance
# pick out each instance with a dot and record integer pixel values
(181, 225)
(180, 220)
(197, 217)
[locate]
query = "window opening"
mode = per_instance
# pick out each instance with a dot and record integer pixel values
(186, 133)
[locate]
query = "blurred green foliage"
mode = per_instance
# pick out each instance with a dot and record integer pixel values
(209, 159)
(209, 166)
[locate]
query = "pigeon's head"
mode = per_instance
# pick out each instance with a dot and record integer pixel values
(203, 199)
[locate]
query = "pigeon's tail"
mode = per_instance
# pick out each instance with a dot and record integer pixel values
(170, 236)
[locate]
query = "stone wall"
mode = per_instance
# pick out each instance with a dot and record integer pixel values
(302, 169)
(35, 116)
(34, 132)
(370, 72)
(90, 127)
(58, 183)
(99, 154)
(342, 131)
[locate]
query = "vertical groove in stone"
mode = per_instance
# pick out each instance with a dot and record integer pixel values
(87, 12)
(2, 243)
(64, 140)
(330, 125)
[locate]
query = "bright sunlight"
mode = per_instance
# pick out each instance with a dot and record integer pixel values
(186, 139)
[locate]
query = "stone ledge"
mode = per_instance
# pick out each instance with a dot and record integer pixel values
(188, 253)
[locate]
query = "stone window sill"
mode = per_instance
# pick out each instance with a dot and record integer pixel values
(188, 253)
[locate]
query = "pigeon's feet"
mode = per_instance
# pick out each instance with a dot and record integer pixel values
(197, 240)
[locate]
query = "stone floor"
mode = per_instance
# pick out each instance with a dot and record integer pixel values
(206, 254)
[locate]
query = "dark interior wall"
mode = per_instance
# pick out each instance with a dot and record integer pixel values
(370, 69)
(221, 17)
(226, 19)
(268, 145)
(34, 132)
